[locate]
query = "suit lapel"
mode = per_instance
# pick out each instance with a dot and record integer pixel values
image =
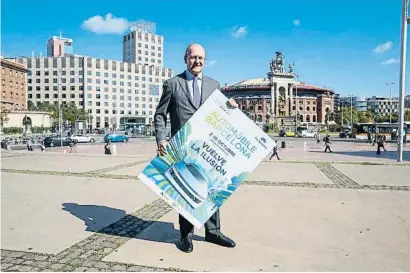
(184, 85)
(206, 90)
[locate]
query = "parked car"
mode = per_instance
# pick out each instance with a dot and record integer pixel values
(82, 138)
(284, 133)
(346, 134)
(307, 133)
(115, 138)
(55, 141)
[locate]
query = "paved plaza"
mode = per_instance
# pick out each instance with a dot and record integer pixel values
(311, 211)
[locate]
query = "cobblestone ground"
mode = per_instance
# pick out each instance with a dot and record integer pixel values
(87, 255)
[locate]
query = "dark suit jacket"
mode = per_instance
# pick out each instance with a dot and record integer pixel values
(176, 100)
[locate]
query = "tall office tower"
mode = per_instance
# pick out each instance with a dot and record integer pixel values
(142, 46)
(59, 47)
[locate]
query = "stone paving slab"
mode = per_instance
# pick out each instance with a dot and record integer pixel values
(377, 175)
(133, 170)
(33, 216)
(288, 172)
(62, 163)
(289, 229)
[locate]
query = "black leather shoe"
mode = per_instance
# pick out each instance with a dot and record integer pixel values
(220, 239)
(186, 244)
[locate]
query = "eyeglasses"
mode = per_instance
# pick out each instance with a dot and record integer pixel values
(199, 58)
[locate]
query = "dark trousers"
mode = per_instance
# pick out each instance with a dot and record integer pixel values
(212, 226)
(275, 152)
(378, 148)
(327, 147)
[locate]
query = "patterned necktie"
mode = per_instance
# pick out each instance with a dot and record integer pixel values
(196, 95)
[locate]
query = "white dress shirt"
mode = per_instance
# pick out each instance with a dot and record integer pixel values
(190, 79)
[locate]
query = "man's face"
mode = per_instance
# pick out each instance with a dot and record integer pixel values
(195, 59)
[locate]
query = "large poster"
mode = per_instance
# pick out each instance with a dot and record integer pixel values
(207, 160)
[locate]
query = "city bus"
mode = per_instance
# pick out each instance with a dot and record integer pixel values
(362, 130)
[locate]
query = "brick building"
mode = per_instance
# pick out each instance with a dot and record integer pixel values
(14, 87)
(279, 97)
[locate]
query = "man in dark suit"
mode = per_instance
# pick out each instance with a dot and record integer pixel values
(181, 97)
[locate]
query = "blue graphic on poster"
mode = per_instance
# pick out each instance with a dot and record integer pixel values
(207, 160)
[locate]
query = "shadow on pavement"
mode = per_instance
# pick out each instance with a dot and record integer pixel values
(111, 221)
(386, 155)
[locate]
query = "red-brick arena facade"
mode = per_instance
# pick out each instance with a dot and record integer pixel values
(255, 98)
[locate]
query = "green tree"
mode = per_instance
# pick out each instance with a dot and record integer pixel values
(72, 113)
(349, 113)
(407, 115)
(69, 111)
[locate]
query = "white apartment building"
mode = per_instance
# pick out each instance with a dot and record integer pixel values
(143, 46)
(383, 106)
(119, 93)
(48, 76)
(115, 93)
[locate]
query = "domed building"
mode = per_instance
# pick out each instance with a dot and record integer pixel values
(278, 98)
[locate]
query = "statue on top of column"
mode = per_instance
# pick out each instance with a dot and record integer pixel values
(277, 64)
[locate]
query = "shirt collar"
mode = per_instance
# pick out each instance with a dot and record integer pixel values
(189, 75)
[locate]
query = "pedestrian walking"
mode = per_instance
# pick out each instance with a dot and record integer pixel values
(275, 150)
(107, 148)
(326, 140)
(29, 145)
(42, 146)
(380, 144)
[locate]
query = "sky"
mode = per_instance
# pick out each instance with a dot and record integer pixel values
(351, 46)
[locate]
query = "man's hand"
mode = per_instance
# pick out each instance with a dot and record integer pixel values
(162, 148)
(232, 103)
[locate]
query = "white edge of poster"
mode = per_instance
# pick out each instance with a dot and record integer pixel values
(158, 191)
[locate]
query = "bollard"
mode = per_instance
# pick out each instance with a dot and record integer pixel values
(114, 149)
(304, 146)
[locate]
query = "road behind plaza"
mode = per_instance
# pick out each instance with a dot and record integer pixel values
(312, 211)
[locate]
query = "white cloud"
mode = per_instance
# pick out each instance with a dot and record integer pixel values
(390, 61)
(107, 25)
(296, 22)
(239, 32)
(383, 47)
(210, 63)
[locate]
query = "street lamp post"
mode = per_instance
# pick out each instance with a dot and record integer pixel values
(60, 115)
(296, 103)
(391, 103)
(351, 111)
(404, 21)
